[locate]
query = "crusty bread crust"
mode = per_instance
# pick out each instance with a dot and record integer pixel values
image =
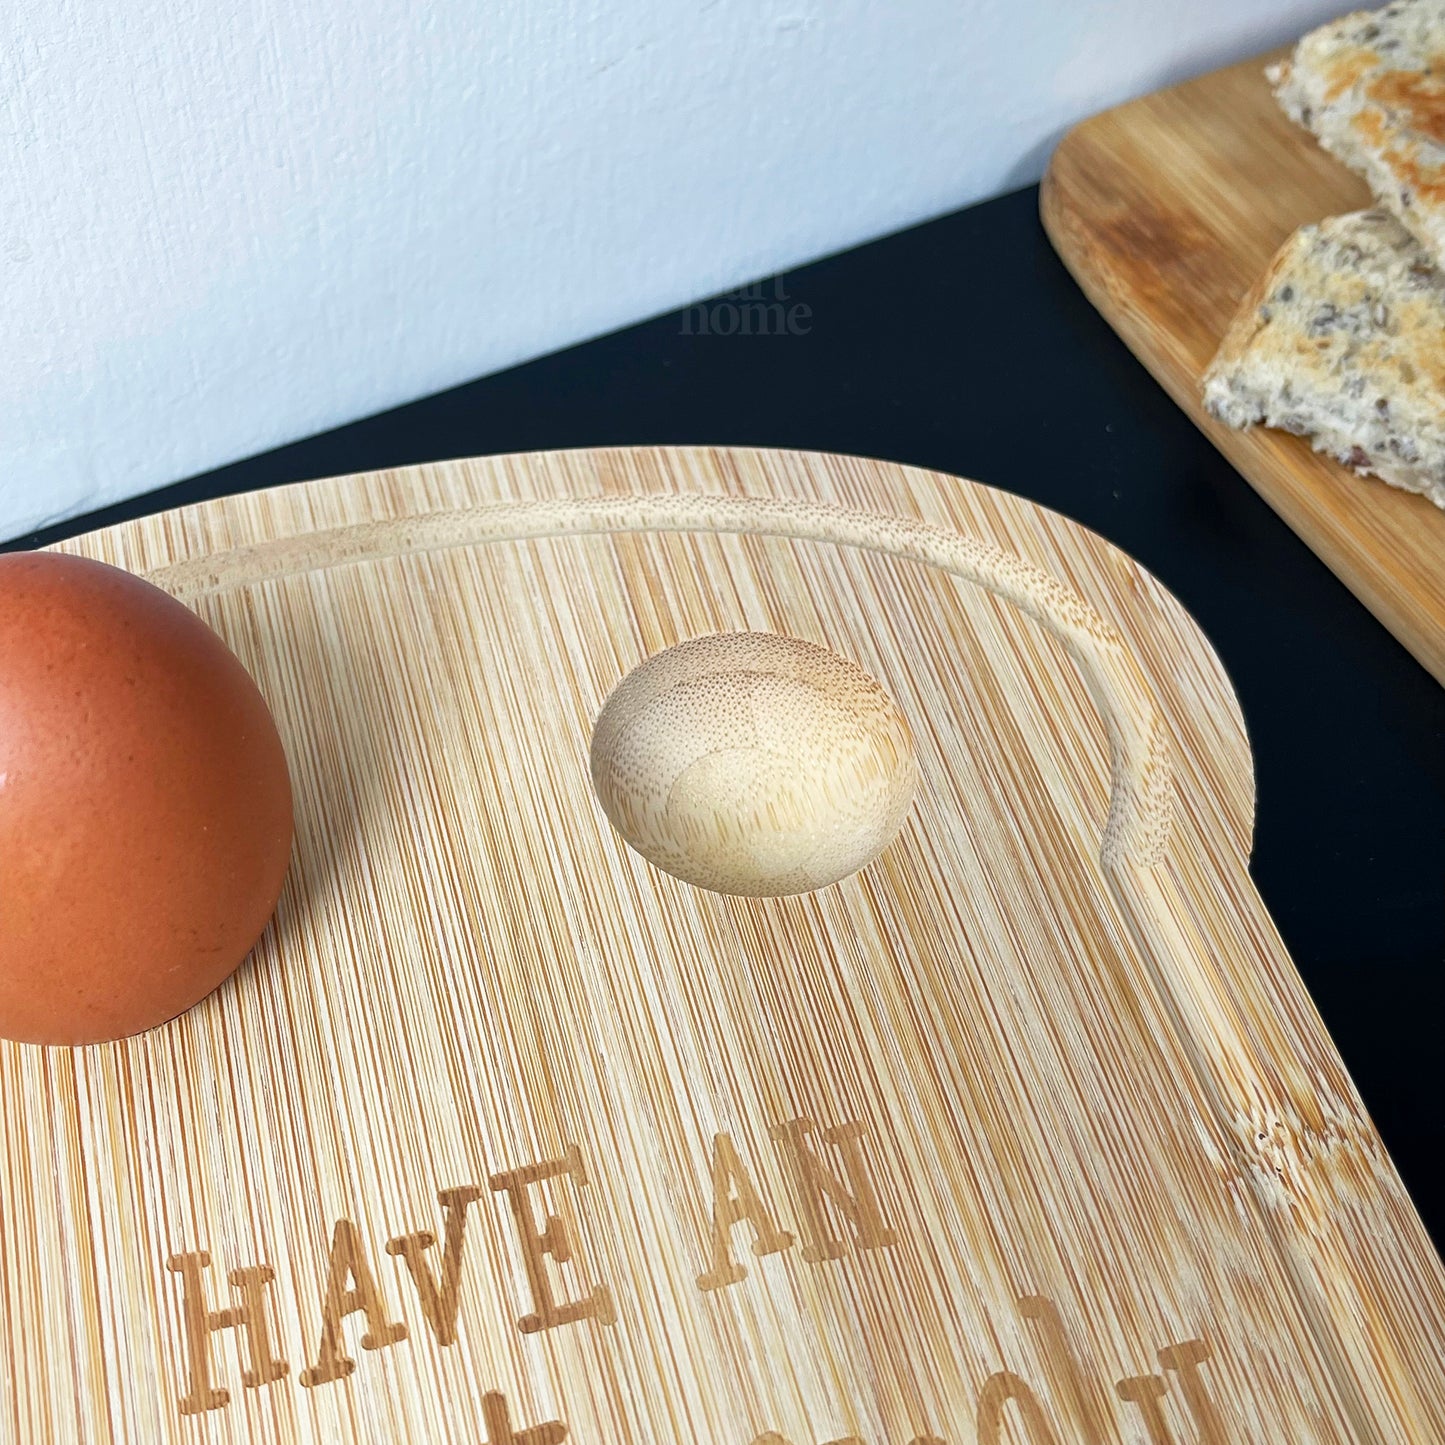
(1248, 322)
(1342, 340)
(1371, 87)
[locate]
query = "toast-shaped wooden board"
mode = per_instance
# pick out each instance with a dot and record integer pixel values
(1027, 1132)
(1167, 209)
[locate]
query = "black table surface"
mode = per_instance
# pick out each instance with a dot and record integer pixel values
(963, 345)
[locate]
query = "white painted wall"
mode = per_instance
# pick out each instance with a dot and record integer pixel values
(225, 224)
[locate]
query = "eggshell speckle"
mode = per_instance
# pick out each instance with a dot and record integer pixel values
(145, 807)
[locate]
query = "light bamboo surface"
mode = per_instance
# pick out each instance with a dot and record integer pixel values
(1167, 209)
(1025, 1135)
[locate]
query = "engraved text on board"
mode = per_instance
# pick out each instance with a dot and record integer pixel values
(839, 1213)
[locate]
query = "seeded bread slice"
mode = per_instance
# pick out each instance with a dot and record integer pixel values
(1371, 87)
(1343, 341)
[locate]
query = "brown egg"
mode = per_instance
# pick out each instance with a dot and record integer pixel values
(145, 808)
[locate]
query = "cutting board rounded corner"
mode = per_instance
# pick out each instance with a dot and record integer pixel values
(1157, 626)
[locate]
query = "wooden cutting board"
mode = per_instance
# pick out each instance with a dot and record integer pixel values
(1166, 210)
(1027, 1134)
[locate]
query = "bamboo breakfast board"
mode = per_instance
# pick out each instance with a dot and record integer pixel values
(1027, 1134)
(1167, 209)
